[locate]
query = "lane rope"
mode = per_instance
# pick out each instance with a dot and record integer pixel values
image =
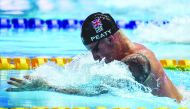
(22, 63)
(49, 24)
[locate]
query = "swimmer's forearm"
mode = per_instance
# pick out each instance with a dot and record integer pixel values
(66, 90)
(75, 91)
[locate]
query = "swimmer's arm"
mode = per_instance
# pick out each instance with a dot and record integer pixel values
(79, 91)
(29, 84)
(164, 86)
(40, 85)
(64, 90)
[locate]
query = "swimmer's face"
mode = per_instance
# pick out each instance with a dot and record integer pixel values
(101, 49)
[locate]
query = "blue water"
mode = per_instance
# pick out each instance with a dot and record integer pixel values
(87, 73)
(171, 41)
(68, 43)
(54, 99)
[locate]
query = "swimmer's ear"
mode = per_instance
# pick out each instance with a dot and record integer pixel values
(110, 39)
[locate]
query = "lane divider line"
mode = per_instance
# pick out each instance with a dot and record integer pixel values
(22, 63)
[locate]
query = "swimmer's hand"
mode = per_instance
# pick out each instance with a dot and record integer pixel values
(27, 84)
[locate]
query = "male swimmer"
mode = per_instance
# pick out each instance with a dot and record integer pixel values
(101, 35)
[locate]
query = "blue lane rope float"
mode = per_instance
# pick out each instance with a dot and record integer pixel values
(31, 63)
(19, 23)
(70, 23)
(36, 23)
(53, 24)
(5, 23)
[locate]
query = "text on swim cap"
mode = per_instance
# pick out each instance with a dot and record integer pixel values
(102, 35)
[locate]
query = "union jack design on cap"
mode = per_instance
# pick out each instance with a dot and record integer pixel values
(97, 25)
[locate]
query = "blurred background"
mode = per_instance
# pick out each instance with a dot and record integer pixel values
(121, 9)
(160, 24)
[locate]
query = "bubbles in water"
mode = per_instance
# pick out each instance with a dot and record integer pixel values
(186, 96)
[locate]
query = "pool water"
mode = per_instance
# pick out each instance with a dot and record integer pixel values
(87, 73)
(167, 41)
(67, 43)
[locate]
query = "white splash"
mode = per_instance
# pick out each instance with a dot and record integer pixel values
(177, 31)
(85, 73)
(186, 96)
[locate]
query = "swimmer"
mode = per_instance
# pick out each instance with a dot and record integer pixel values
(101, 35)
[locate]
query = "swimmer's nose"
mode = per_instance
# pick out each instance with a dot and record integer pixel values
(96, 56)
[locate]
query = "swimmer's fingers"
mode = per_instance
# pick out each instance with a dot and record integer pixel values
(16, 80)
(14, 83)
(13, 89)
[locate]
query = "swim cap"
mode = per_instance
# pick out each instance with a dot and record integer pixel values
(97, 26)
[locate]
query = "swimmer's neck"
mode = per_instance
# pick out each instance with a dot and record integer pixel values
(126, 46)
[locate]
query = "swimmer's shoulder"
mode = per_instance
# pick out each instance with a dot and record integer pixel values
(155, 65)
(139, 46)
(141, 49)
(139, 65)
